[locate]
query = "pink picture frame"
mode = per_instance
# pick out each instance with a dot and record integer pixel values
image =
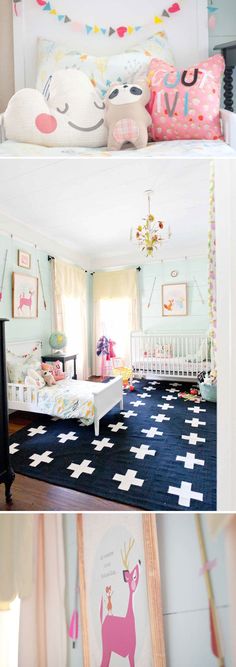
(24, 259)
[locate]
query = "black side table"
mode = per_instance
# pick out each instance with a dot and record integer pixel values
(63, 358)
(228, 51)
(7, 474)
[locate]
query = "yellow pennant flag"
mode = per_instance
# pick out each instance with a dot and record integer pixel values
(130, 29)
(53, 11)
(96, 28)
(157, 19)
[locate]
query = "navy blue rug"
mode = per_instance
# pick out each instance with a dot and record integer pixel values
(159, 454)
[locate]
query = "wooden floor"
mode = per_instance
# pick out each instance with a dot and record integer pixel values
(32, 495)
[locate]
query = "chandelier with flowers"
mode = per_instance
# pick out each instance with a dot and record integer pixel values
(152, 233)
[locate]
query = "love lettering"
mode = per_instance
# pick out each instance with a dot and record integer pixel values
(170, 100)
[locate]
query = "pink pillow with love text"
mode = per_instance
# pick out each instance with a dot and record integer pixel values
(185, 104)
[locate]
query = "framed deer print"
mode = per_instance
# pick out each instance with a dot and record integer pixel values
(120, 592)
(174, 299)
(24, 296)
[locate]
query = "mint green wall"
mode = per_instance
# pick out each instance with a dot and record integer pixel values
(197, 318)
(16, 329)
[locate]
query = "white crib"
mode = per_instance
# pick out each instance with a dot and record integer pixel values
(181, 356)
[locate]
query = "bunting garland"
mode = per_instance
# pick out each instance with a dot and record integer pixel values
(108, 31)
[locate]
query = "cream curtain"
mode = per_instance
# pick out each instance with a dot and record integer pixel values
(70, 309)
(16, 558)
(115, 311)
(42, 632)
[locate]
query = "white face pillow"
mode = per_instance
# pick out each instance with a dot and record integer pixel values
(71, 113)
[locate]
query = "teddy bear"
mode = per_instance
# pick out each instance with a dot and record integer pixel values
(48, 378)
(126, 117)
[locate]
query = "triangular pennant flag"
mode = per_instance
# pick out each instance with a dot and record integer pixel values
(88, 28)
(130, 29)
(53, 11)
(165, 13)
(212, 9)
(157, 19)
(103, 30)
(96, 28)
(138, 27)
(61, 17)
(111, 31)
(47, 7)
(67, 19)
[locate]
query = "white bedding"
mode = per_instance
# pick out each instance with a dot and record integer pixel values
(185, 148)
(69, 399)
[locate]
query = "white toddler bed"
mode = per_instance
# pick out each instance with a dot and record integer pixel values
(165, 356)
(86, 401)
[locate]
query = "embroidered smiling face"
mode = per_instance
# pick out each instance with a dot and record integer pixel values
(70, 113)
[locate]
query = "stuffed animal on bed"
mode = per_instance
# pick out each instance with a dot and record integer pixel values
(69, 113)
(57, 370)
(126, 117)
(48, 378)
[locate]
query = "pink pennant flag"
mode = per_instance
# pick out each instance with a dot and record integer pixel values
(208, 566)
(74, 627)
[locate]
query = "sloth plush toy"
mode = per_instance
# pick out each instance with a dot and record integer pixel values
(126, 117)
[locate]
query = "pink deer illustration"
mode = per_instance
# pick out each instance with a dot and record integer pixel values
(25, 301)
(118, 632)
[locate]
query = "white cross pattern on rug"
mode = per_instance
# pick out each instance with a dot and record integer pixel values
(165, 406)
(193, 438)
(40, 458)
(135, 381)
(160, 418)
(128, 480)
(129, 414)
(169, 398)
(142, 451)
(154, 382)
(80, 468)
(151, 432)
(117, 427)
(190, 461)
(14, 448)
(144, 395)
(196, 410)
(136, 404)
(55, 419)
(63, 437)
(149, 388)
(171, 390)
(100, 444)
(40, 430)
(185, 494)
(175, 384)
(195, 422)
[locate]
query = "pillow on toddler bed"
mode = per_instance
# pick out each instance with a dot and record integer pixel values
(101, 70)
(185, 104)
(17, 368)
(70, 114)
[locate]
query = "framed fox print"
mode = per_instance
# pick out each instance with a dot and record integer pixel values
(174, 299)
(120, 591)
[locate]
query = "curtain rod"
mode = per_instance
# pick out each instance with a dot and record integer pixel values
(50, 257)
(138, 268)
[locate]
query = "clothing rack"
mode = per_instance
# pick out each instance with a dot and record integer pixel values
(7, 474)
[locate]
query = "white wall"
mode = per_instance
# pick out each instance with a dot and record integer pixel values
(185, 605)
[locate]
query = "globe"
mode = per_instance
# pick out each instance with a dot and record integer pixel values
(57, 340)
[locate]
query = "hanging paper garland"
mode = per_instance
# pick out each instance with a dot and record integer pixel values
(16, 4)
(119, 31)
(3, 275)
(212, 15)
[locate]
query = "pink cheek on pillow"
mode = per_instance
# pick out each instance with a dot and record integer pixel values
(46, 123)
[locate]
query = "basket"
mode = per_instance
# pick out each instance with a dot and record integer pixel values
(208, 392)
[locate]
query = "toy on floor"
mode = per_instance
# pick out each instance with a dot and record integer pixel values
(126, 116)
(192, 395)
(126, 374)
(70, 112)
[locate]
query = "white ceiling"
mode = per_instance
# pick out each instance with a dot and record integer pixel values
(90, 204)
